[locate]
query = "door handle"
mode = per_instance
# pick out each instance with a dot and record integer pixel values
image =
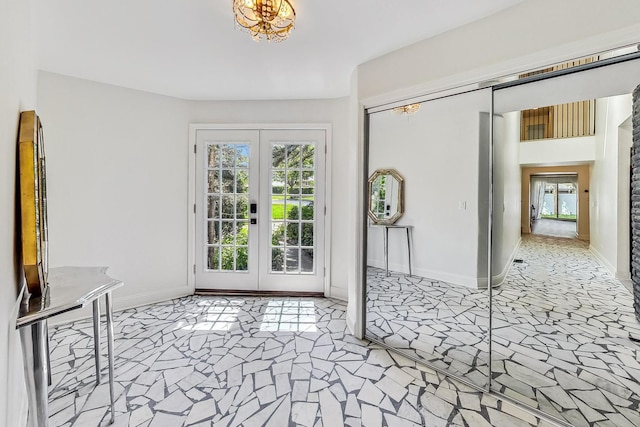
(253, 221)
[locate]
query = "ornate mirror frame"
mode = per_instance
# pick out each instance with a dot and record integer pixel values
(33, 202)
(399, 211)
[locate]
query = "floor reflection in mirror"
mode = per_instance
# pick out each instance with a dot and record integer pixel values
(565, 338)
(433, 321)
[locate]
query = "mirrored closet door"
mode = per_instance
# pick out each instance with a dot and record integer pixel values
(426, 263)
(565, 339)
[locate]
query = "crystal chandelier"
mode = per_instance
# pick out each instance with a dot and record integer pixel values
(407, 109)
(272, 19)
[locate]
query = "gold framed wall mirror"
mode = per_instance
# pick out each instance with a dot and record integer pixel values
(33, 202)
(386, 196)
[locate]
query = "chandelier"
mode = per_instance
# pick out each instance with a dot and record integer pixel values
(407, 109)
(272, 19)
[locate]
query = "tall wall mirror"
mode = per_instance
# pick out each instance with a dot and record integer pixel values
(426, 278)
(517, 217)
(565, 340)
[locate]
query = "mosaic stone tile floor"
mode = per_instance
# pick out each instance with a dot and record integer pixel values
(565, 336)
(565, 339)
(440, 323)
(205, 361)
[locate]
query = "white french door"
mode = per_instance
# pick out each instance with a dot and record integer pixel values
(260, 209)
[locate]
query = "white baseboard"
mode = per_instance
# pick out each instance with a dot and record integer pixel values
(351, 325)
(500, 278)
(455, 279)
(123, 303)
(605, 263)
(338, 293)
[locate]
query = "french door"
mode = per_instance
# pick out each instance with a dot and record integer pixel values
(260, 209)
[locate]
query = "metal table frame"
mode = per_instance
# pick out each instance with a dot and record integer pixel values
(386, 244)
(69, 288)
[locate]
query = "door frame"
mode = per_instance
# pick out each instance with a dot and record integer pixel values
(191, 189)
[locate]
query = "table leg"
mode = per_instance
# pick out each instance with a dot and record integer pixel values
(110, 349)
(409, 249)
(96, 337)
(34, 345)
(48, 352)
(386, 252)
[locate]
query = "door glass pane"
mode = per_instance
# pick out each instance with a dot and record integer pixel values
(228, 207)
(278, 156)
(292, 201)
(242, 181)
(308, 181)
(242, 207)
(213, 160)
(293, 183)
(293, 260)
(213, 183)
(242, 156)
(228, 155)
(227, 200)
(213, 209)
(213, 258)
(213, 232)
(306, 261)
(293, 157)
(549, 201)
(277, 259)
(228, 181)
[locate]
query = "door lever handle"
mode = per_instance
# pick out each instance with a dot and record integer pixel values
(253, 221)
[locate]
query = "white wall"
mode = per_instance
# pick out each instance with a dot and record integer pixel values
(118, 179)
(17, 93)
(609, 201)
(117, 184)
(506, 193)
(436, 150)
(558, 151)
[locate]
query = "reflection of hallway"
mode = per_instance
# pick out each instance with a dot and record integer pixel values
(565, 337)
(554, 227)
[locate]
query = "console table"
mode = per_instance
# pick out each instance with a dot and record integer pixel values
(69, 288)
(386, 228)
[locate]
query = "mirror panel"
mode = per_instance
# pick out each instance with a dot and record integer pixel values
(565, 339)
(426, 293)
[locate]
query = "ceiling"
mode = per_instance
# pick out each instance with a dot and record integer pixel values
(191, 49)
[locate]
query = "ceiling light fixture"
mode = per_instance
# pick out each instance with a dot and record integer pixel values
(407, 109)
(272, 19)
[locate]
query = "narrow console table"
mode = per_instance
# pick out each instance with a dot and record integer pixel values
(386, 228)
(69, 288)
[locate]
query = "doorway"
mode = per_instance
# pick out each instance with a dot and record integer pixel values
(259, 209)
(554, 205)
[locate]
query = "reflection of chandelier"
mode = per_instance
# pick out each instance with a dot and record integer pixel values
(273, 19)
(407, 109)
